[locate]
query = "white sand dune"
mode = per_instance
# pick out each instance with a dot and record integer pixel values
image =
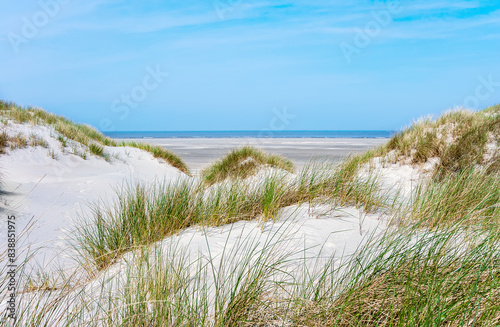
(51, 193)
(51, 188)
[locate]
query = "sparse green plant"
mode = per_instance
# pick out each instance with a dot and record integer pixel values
(53, 154)
(4, 139)
(37, 141)
(63, 140)
(96, 149)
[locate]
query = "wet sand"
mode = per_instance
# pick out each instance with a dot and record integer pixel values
(200, 152)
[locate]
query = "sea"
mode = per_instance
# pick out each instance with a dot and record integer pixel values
(251, 134)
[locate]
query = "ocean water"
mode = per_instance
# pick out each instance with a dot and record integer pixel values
(253, 134)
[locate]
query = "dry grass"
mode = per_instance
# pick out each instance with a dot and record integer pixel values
(37, 141)
(18, 141)
(4, 139)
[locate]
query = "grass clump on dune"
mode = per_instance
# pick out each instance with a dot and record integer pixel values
(243, 162)
(13, 142)
(146, 215)
(340, 184)
(405, 277)
(428, 138)
(81, 133)
(96, 149)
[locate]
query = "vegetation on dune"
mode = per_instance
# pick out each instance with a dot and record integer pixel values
(145, 215)
(84, 134)
(19, 141)
(449, 277)
(467, 196)
(4, 139)
(470, 198)
(405, 277)
(96, 149)
(243, 162)
(159, 152)
(458, 138)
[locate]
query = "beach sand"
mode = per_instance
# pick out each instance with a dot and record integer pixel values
(200, 152)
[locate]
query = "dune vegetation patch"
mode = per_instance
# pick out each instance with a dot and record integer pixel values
(449, 277)
(404, 277)
(243, 162)
(18, 141)
(81, 133)
(144, 215)
(460, 139)
(468, 198)
(160, 152)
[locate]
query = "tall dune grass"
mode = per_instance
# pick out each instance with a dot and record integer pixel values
(449, 277)
(469, 198)
(144, 215)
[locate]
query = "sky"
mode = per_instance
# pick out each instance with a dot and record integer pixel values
(177, 65)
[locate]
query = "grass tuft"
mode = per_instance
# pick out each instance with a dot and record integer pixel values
(96, 149)
(409, 278)
(243, 162)
(162, 153)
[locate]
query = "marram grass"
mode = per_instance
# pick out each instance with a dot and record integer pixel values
(146, 214)
(469, 198)
(438, 267)
(449, 277)
(458, 138)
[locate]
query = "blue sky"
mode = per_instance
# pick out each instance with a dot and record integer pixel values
(241, 64)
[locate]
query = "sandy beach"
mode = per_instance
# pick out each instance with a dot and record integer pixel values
(200, 152)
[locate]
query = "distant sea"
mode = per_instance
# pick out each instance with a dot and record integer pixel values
(252, 134)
